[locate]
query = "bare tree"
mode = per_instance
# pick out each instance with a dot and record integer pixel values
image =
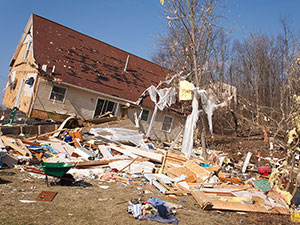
(266, 72)
(192, 43)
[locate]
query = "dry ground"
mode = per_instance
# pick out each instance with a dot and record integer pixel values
(93, 205)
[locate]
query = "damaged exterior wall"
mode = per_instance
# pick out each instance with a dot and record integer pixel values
(23, 67)
(77, 102)
(157, 133)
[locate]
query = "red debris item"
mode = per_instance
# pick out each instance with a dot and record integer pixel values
(265, 135)
(264, 170)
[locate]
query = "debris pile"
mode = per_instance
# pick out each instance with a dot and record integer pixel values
(119, 154)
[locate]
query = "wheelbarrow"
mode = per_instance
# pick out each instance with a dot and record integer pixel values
(58, 170)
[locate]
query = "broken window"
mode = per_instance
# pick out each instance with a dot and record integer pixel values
(167, 123)
(104, 106)
(145, 115)
(27, 50)
(58, 93)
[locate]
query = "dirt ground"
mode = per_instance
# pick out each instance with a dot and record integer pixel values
(89, 204)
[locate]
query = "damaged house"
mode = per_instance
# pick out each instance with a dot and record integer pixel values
(57, 72)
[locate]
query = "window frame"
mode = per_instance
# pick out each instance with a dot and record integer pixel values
(147, 115)
(163, 122)
(105, 104)
(55, 100)
(29, 44)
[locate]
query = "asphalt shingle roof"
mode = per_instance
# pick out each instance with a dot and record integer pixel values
(89, 63)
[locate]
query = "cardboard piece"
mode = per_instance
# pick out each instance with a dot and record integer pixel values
(46, 196)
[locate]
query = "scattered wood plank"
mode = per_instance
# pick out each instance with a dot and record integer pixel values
(102, 162)
(209, 202)
(24, 147)
(43, 135)
(132, 161)
(13, 146)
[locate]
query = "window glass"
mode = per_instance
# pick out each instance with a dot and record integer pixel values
(58, 93)
(145, 115)
(27, 50)
(104, 106)
(167, 123)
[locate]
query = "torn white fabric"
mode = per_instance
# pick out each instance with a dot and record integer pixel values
(166, 97)
(190, 124)
(209, 106)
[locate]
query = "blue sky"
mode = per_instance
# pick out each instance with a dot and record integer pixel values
(131, 25)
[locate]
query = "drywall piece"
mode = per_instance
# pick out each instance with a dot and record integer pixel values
(167, 185)
(60, 146)
(123, 150)
(105, 152)
(133, 166)
(120, 134)
(135, 152)
(84, 153)
(249, 154)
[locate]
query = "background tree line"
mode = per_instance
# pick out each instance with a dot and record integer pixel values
(264, 68)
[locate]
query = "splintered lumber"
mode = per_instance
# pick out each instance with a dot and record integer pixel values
(132, 161)
(76, 136)
(173, 172)
(30, 143)
(209, 202)
(13, 146)
(175, 158)
(200, 172)
(24, 147)
(43, 135)
(102, 162)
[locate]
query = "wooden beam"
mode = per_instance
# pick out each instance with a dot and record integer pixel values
(46, 134)
(13, 146)
(24, 147)
(132, 161)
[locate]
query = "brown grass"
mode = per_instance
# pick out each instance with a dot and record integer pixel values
(93, 205)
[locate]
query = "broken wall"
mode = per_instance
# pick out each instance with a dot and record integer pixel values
(157, 132)
(77, 102)
(23, 68)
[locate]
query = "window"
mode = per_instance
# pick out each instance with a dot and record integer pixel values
(104, 106)
(58, 93)
(167, 123)
(27, 50)
(145, 115)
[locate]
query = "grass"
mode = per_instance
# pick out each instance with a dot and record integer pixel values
(93, 205)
